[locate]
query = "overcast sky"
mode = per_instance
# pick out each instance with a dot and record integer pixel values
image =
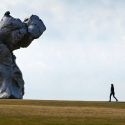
(81, 52)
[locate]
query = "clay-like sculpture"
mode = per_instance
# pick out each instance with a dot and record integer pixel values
(15, 34)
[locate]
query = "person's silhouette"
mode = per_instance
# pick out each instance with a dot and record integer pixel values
(112, 93)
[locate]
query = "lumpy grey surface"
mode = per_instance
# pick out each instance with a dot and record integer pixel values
(15, 34)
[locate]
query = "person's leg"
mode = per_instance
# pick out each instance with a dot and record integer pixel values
(110, 97)
(115, 98)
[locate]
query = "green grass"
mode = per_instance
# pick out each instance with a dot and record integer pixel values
(33, 112)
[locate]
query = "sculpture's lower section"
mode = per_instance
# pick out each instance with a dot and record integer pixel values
(11, 81)
(11, 84)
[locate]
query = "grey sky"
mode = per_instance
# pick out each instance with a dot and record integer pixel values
(80, 54)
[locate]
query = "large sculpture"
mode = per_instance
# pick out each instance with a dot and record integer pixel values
(15, 34)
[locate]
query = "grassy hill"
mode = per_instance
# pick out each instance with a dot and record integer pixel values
(32, 112)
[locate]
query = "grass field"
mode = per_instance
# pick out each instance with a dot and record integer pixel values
(32, 112)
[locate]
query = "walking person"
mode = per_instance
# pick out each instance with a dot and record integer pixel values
(112, 93)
